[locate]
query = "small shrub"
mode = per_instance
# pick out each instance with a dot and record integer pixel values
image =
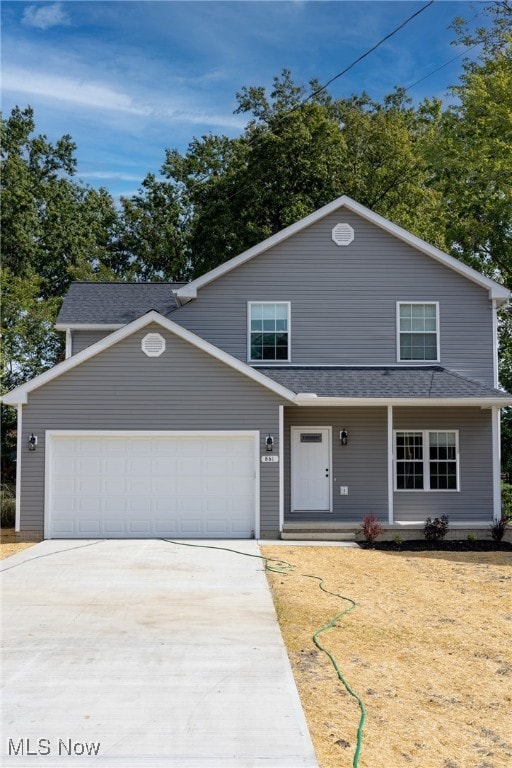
(506, 502)
(397, 539)
(498, 529)
(435, 530)
(7, 506)
(371, 528)
(472, 537)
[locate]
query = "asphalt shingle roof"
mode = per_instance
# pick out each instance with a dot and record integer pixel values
(115, 303)
(428, 382)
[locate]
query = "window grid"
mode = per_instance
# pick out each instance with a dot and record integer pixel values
(269, 331)
(426, 460)
(418, 331)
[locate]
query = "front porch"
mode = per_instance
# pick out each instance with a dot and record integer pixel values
(339, 464)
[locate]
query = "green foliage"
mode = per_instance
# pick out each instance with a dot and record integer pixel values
(371, 528)
(436, 530)
(506, 501)
(472, 537)
(7, 506)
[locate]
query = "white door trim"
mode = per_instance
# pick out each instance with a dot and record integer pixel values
(293, 431)
(55, 433)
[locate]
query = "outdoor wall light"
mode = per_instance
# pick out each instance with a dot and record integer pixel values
(343, 437)
(32, 442)
(269, 442)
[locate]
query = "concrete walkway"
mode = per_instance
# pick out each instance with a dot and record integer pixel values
(145, 654)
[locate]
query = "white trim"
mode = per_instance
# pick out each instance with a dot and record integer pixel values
(69, 342)
(426, 461)
(293, 429)
(289, 310)
(19, 449)
(496, 291)
(55, 433)
(20, 394)
(496, 464)
(391, 476)
(281, 468)
(398, 332)
(107, 327)
(477, 402)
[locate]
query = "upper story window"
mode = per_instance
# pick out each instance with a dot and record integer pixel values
(269, 330)
(418, 331)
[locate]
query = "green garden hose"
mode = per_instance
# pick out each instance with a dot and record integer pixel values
(283, 567)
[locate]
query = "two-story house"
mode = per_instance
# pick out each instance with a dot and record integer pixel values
(339, 368)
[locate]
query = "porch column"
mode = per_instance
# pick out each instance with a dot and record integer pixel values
(390, 464)
(19, 449)
(281, 468)
(496, 462)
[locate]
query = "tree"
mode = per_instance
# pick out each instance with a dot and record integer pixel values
(54, 230)
(52, 226)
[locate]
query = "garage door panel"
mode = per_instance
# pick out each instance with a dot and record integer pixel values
(134, 486)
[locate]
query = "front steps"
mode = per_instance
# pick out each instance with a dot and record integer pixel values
(318, 532)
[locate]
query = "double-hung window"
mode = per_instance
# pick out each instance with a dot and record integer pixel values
(427, 460)
(269, 330)
(418, 331)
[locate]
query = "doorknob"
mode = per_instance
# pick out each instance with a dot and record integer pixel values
(327, 472)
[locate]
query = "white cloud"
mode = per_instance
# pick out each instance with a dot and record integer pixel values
(45, 16)
(99, 96)
(71, 90)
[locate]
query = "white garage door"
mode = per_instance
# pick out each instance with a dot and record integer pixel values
(126, 485)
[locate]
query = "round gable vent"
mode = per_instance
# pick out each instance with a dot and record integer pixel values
(342, 234)
(153, 345)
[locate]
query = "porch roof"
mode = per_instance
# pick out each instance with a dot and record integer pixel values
(419, 383)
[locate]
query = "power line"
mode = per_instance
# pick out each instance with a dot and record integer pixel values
(256, 137)
(370, 50)
(462, 53)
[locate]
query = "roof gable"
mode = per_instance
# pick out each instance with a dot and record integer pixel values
(19, 396)
(497, 292)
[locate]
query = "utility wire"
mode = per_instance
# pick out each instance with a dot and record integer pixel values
(370, 50)
(256, 136)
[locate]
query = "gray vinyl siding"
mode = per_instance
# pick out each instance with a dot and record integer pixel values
(343, 300)
(361, 465)
(121, 388)
(474, 500)
(82, 339)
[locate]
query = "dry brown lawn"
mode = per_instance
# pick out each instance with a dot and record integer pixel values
(12, 542)
(427, 649)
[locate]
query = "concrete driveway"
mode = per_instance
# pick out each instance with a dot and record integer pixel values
(145, 654)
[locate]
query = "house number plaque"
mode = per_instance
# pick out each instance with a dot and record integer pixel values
(265, 459)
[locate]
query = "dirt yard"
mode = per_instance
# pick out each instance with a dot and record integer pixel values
(427, 649)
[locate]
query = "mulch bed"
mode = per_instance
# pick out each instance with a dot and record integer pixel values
(459, 545)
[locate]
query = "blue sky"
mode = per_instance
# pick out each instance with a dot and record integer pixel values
(129, 78)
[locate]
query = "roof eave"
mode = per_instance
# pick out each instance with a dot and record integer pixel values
(479, 402)
(88, 326)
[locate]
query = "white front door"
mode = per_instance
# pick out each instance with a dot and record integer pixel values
(311, 469)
